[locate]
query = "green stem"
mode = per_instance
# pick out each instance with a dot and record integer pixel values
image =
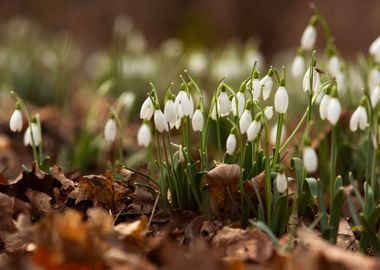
(278, 139)
(163, 195)
(334, 141)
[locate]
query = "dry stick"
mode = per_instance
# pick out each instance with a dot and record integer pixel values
(154, 209)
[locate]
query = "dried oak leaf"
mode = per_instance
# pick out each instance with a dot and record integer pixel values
(315, 253)
(244, 245)
(37, 180)
(102, 190)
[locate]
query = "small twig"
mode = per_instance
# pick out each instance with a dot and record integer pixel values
(154, 209)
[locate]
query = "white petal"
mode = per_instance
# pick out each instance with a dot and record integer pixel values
(15, 123)
(245, 121)
(197, 121)
(323, 106)
(310, 160)
(333, 111)
(144, 136)
(231, 144)
(308, 38)
(266, 84)
(298, 66)
(147, 109)
(281, 100)
(256, 89)
(110, 131)
(160, 121)
(281, 182)
(253, 130)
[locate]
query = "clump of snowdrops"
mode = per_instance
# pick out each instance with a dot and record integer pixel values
(256, 115)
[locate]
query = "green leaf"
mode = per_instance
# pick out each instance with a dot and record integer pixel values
(335, 214)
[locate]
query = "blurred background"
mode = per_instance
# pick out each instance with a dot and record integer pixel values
(276, 24)
(70, 60)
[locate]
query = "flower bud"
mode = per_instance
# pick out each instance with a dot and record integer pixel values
(231, 144)
(309, 37)
(160, 121)
(15, 123)
(281, 182)
(253, 130)
(281, 100)
(310, 159)
(245, 121)
(147, 109)
(110, 130)
(298, 66)
(197, 121)
(144, 136)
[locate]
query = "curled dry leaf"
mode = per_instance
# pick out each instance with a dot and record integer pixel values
(223, 185)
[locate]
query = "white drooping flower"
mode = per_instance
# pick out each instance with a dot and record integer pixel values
(333, 65)
(147, 109)
(310, 159)
(127, 99)
(266, 84)
(273, 134)
(333, 111)
(185, 104)
(375, 96)
(160, 121)
(170, 112)
(256, 89)
(281, 182)
(359, 119)
(253, 130)
(309, 37)
(268, 111)
(281, 100)
(34, 131)
(224, 104)
(110, 130)
(197, 121)
(15, 123)
(298, 66)
(240, 104)
(231, 144)
(340, 81)
(245, 121)
(181, 156)
(323, 106)
(374, 78)
(144, 136)
(316, 81)
(374, 49)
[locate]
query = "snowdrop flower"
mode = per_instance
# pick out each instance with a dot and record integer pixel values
(281, 100)
(245, 121)
(333, 108)
(160, 121)
(110, 130)
(15, 123)
(224, 104)
(281, 182)
(273, 134)
(197, 121)
(127, 99)
(170, 112)
(254, 129)
(240, 104)
(323, 106)
(310, 159)
(185, 104)
(316, 81)
(256, 86)
(268, 111)
(34, 131)
(374, 49)
(147, 109)
(333, 65)
(144, 136)
(309, 37)
(374, 77)
(359, 118)
(267, 84)
(181, 157)
(231, 143)
(375, 96)
(298, 66)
